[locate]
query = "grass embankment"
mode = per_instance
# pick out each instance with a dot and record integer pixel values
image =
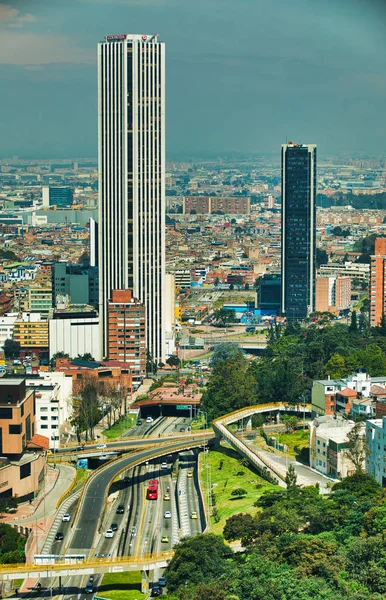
(81, 475)
(121, 586)
(297, 439)
(227, 473)
(120, 428)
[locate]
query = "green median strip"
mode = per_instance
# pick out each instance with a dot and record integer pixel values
(121, 586)
(120, 428)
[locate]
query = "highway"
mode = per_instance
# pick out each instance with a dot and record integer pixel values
(140, 528)
(92, 504)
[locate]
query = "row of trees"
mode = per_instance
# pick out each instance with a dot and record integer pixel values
(94, 398)
(299, 545)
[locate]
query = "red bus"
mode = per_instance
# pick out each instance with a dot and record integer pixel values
(152, 490)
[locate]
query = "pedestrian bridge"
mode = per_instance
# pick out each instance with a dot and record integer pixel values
(254, 457)
(72, 566)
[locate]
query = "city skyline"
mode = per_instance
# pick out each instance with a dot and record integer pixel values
(241, 82)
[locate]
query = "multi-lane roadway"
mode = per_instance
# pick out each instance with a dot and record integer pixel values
(140, 526)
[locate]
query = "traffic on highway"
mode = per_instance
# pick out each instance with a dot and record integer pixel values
(137, 505)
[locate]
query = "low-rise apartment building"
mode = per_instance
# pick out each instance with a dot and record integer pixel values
(53, 395)
(328, 445)
(7, 323)
(354, 395)
(32, 334)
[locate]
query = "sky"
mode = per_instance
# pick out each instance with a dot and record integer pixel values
(241, 75)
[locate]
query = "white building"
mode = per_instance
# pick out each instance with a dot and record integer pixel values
(376, 444)
(53, 393)
(75, 332)
(7, 323)
(131, 152)
(169, 315)
(328, 445)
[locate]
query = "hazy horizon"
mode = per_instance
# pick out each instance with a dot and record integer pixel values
(241, 78)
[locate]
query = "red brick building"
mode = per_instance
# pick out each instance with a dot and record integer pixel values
(377, 282)
(127, 332)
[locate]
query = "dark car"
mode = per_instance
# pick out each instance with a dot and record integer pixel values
(156, 591)
(59, 536)
(161, 581)
(139, 422)
(91, 579)
(89, 589)
(126, 480)
(114, 526)
(120, 509)
(182, 428)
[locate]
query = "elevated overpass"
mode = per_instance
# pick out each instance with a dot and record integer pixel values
(248, 342)
(72, 566)
(255, 458)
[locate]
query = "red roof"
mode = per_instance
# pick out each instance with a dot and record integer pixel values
(41, 441)
(348, 392)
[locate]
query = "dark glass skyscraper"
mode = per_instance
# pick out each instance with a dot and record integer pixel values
(298, 229)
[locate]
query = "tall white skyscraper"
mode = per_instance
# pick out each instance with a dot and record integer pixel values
(131, 144)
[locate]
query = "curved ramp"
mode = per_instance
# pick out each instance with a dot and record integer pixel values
(255, 458)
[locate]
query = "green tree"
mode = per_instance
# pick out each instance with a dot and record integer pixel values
(173, 361)
(336, 366)
(239, 526)
(87, 357)
(224, 351)
(290, 422)
(87, 412)
(291, 478)
(11, 349)
(321, 257)
(151, 364)
(230, 387)
(356, 448)
(197, 560)
(238, 492)
(354, 324)
(224, 316)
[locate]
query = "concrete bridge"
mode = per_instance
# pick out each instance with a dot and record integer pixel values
(254, 457)
(71, 565)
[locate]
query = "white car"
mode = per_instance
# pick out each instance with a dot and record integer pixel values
(167, 514)
(109, 533)
(66, 517)
(149, 420)
(164, 465)
(101, 446)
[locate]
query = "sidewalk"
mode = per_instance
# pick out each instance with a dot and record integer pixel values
(44, 506)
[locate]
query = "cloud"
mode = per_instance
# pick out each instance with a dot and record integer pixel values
(11, 17)
(31, 49)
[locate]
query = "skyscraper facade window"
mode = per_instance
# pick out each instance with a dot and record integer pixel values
(298, 229)
(377, 292)
(131, 143)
